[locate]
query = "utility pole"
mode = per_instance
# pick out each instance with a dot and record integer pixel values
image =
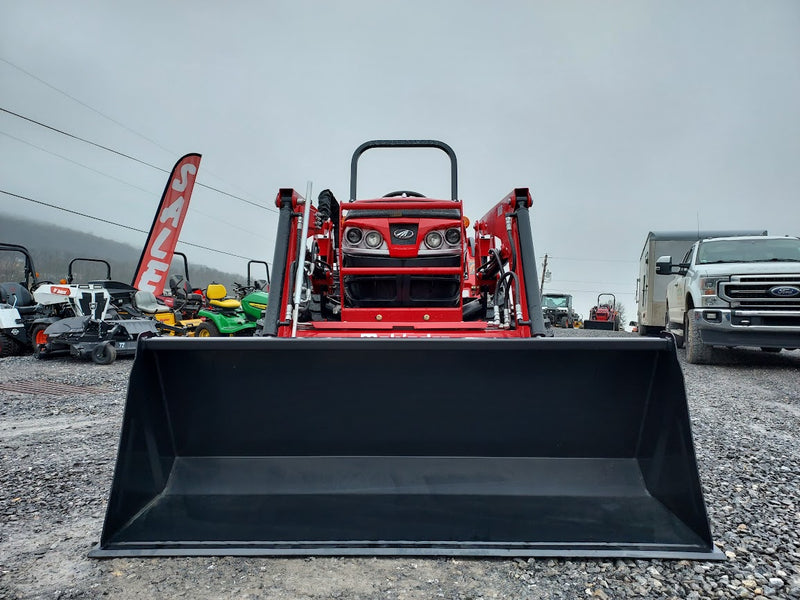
(544, 272)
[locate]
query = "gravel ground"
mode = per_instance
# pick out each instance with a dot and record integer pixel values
(58, 452)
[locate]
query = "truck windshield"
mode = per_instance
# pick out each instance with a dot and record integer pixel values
(753, 250)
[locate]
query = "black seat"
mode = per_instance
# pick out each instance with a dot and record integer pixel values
(16, 294)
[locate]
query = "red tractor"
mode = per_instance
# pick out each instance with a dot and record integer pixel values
(604, 314)
(401, 397)
(403, 265)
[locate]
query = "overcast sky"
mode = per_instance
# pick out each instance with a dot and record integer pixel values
(621, 117)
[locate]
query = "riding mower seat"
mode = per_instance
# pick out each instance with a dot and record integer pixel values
(147, 303)
(182, 290)
(218, 297)
(18, 296)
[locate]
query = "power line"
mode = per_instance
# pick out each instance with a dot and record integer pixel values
(73, 98)
(88, 216)
(76, 137)
(215, 218)
(128, 156)
(75, 162)
(125, 127)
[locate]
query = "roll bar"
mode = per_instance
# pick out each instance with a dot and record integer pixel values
(404, 144)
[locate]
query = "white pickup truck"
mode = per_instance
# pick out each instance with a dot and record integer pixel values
(734, 291)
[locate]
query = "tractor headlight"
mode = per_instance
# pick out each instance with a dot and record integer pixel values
(434, 240)
(353, 235)
(452, 236)
(373, 239)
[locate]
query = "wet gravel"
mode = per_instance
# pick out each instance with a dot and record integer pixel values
(57, 451)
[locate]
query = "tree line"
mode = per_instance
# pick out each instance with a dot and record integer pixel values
(53, 247)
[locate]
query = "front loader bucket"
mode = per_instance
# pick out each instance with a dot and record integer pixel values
(406, 447)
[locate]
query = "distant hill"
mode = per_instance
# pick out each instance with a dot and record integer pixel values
(53, 247)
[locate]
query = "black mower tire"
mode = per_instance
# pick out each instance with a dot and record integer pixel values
(206, 329)
(104, 354)
(39, 347)
(8, 346)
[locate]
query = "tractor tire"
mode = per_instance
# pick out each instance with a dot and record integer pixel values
(697, 353)
(39, 342)
(8, 346)
(104, 354)
(563, 323)
(206, 329)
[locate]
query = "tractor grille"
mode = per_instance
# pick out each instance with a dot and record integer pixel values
(400, 290)
(759, 291)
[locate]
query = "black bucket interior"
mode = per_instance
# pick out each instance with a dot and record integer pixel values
(548, 447)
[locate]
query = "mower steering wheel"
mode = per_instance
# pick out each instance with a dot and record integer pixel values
(404, 193)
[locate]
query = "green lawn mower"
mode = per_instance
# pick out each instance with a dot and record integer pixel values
(230, 316)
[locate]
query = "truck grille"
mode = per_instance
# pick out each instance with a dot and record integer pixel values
(753, 291)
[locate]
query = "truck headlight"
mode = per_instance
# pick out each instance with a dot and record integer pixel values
(708, 285)
(708, 289)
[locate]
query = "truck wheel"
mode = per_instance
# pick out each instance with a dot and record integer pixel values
(697, 353)
(104, 354)
(39, 341)
(206, 329)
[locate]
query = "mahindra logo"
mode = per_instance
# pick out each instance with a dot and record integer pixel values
(784, 291)
(403, 234)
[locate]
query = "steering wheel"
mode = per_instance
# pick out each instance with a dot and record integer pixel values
(404, 193)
